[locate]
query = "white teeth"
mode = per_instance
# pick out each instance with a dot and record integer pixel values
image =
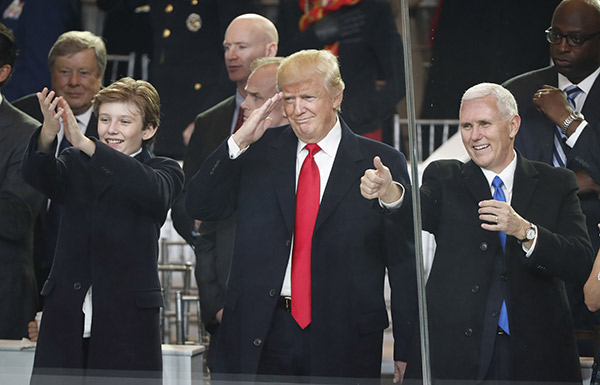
(481, 147)
(113, 141)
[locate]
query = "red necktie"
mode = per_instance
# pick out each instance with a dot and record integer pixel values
(307, 207)
(240, 120)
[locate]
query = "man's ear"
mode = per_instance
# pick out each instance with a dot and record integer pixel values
(337, 100)
(514, 124)
(271, 49)
(5, 72)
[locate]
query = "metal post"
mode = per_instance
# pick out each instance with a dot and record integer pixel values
(179, 318)
(410, 99)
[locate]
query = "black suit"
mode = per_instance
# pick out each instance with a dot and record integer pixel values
(113, 208)
(19, 206)
(535, 141)
(352, 246)
(469, 268)
(213, 245)
(46, 227)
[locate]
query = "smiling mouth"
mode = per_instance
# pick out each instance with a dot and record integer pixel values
(114, 141)
(481, 147)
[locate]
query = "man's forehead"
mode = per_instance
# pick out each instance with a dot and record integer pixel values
(77, 57)
(302, 86)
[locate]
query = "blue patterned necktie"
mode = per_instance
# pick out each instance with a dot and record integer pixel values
(499, 196)
(559, 158)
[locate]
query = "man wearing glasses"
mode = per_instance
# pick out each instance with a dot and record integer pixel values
(560, 111)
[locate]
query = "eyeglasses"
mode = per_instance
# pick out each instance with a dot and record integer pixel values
(573, 40)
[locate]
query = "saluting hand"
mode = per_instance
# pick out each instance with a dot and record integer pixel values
(257, 123)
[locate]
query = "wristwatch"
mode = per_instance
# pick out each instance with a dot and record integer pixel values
(529, 234)
(573, 116)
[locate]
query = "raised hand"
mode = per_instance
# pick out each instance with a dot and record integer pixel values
(72, 131)
(257, 123)
(51, 124)
(377, 183)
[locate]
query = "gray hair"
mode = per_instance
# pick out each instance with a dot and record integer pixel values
(506, 103)
(72, 42)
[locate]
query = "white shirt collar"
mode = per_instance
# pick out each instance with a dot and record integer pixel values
(137, 152)
(585, 85)
(507, 175)
(85, 118)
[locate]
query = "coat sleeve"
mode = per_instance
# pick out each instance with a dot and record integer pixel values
(564, 251)
(400, 254)
(19, 202)
(212, 192)
(154, 184)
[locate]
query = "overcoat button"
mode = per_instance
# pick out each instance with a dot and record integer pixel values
(77, 286)
(483, 246)
(469, 332)
(475, 289)
(272, 293)
(257, 342)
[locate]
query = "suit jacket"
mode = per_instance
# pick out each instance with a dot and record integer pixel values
(542, 343)
(19, 206)
(352, 246)
(213, 243)
(113, 208)
(535, 141)
(212, 127)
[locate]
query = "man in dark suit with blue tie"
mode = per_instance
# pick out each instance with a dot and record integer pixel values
(561, 119)
(305, 291)
(508, 231)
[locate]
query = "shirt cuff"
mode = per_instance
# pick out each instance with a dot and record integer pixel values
(572, 140)
(234, 150)
(394, 205)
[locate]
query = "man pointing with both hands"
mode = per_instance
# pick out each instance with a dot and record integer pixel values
(508, 231)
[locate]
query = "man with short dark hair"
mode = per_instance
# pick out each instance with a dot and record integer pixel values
(561, 120)
(19, 206)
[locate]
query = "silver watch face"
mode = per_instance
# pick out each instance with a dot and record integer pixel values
(530, 234)
(578, 115)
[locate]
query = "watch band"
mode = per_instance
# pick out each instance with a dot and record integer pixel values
(570, 119)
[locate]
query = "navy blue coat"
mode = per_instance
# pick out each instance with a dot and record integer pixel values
(353, 245)
(113, 208)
